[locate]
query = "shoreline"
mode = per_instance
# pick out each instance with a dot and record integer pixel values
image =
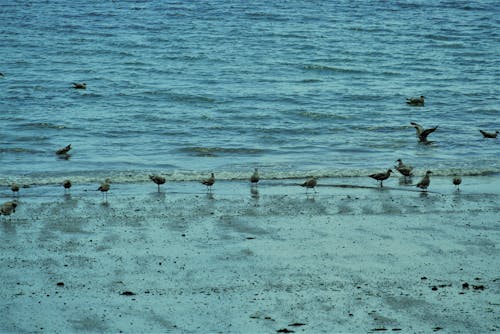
(352, 258)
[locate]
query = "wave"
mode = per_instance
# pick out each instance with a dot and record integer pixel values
(130, 177)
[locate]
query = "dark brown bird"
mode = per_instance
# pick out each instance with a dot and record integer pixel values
(381, 176)
(104, 188)
(426, 180)
(415, 101)
(423, 133)
(310, 184)
(79, 85)
(405, 170)
(489, 134)
(456, 181)
(209, 182)
(63, 150)
(67, 185)
(158, 180)
(7, 208)
(255, 177)
(15, 188)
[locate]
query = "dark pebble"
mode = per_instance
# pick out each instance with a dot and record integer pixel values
(434, 288)
(478, 287)
(60, 284)
(465, 285)
(285, 330)
(297, 324)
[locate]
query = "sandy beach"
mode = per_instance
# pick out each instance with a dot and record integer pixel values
(351, 258)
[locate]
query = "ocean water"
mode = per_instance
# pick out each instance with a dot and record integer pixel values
(295, 88)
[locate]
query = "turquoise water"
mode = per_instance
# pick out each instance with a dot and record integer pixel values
(295, 88)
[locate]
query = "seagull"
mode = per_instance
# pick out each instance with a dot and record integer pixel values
(456, 181)
(104, 188)
(79, 85)
(15, 188)
(7, 208)
(255, 177)
(489, 134)
(415, 101)
(423, 133)
(405, 170)
(209, 182)
(381, 176)
(158, 180)
(310, 183)
(426, 180)
(63, 150)
(67, 185)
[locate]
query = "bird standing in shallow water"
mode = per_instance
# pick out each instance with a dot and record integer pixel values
(158, 180)
(415, 101)
(456, 181)
(381, 176)
(310, 184)
(209, 182)
(104, 188)
(489, 134)
(67, 185)
(8, 208)
(15, 189)
(423, 133)
(254, 179)
(426, 180)
(405, 170)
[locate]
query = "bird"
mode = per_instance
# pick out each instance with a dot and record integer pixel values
(63, 150)
(15, 188)
(381, 176)
(426, 180)
(456, 181)
(423, 133)
(79, 85)
(7, 208)
(255, 177)
(158, 180)
(415, 101)
(405, 170)
(310, 183)
(104, 188)
(489, 134)
(67, 185)
(1, 74)
(209, 182)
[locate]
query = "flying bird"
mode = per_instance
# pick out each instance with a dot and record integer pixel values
(415, 101)
(426, 180)
(63, 150)
(489, 134)
(158, 180)
(423, 133)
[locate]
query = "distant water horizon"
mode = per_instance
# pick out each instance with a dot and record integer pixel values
(292, 88)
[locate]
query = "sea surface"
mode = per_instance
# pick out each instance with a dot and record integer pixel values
(295, 88)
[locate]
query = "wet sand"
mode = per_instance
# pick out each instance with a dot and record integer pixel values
(353, 258)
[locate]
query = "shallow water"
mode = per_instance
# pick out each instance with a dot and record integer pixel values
(296, 88)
